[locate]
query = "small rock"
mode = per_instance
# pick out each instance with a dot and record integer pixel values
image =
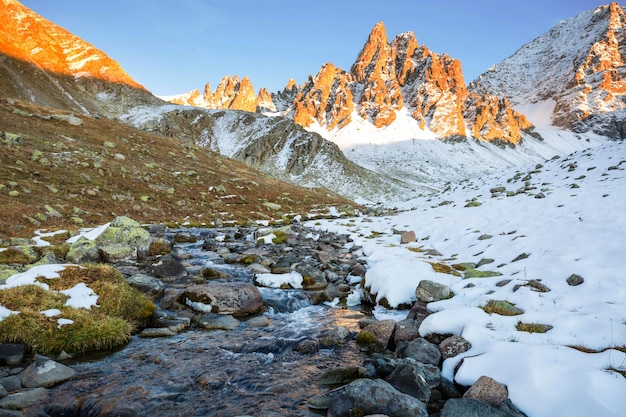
(23, 399)
(407, 237)
(259, 321)
(409, 380)
(382, 331)
(488, 390)
(45, 373)
(147, 284)
(468, 407)
(421, 350)
(12, 353)
(405, 331)
(168, 267)
(119, 157)
(335, 337)
(574, 280)
(307, 346)
(453, 346)
(520, 257)
(341, 375)
(428, 291)
(212, 321)
(156, 332)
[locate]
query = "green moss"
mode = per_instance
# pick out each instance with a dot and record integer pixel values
(476, 273)
(533, 327)
(280, 237)
(501, 307)
(15, 256)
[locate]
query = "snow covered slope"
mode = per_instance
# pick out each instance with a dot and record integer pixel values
(528, 232)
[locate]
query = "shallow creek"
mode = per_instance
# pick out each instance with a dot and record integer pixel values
(246, 371)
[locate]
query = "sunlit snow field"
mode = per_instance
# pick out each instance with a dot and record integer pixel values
(577, 225)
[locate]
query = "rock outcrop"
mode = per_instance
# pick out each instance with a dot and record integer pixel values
(577, 68)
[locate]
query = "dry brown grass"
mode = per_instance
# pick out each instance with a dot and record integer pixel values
(160, 179)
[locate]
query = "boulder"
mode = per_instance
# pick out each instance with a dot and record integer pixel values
(340, 375)
(115, 252)
(236, 298)
(83, 251)
(453, 346)
(421, 350)
(405, 331)
(23, 399)
(12, 353)
(428, 291)
(126, 231)
(410, 380)
(45, 373)
(147, 284)
(487, 390)
(407, 237)
(169, 266)
(382, 330)
(469, 407)
(368, 397)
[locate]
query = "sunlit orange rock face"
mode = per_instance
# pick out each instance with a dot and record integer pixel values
(387, 77)
(600, 78)
(325, 99)
(232, 93)
(28, 37)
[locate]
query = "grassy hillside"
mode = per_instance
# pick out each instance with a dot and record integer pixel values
(57, 171)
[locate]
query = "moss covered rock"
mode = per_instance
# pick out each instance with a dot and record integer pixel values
(125, 231)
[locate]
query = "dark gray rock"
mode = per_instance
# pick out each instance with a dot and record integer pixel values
(168, 267)
(335, 337)
(421, 350)
(405, 331)
(368, 397)
(382, 330)
(409, 380)
(11, 383)
(23, 399)
(147, 284)
(341, 375)
(45, 373)
(575, 280)
(236, 298)
(468, 407)
(428, 291)
(12, 353)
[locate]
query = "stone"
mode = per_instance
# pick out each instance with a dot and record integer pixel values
(236, 298)
(12, 353)
(126, 231)
(116, 252)
(405, 331)
(575, 280)
(213, 321)
(408, 379)
(382, 331)
(11, 383)
(335, 337)
(368, 397)
(408, 237)
(421, 350)
(469, 407)
(340, 375)
(3, 392)
(147, 284)
(428, 291)
(168, 267)
(453, 346)
(258, 321)
(488, 390)
(151, 332)
(45, 373)
(68, 118)
(23, 399)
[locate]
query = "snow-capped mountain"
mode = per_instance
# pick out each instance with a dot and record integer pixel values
(388, 81)
(575, 73)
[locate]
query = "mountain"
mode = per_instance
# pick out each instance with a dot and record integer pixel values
(575, 73)
(45, 64)
(386, 78)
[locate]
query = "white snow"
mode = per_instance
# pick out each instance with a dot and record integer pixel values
(81, 296)
(579, 227)
(89, 233)
(28, 277)
(293, 278)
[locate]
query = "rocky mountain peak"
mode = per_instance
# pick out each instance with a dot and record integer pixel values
(577, 68)
(28, 37)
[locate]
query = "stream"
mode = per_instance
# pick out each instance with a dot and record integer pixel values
(256, 371)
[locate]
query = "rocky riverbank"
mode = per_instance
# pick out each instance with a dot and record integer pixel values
(246, 280)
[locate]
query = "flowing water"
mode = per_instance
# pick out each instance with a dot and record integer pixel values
(250, 370)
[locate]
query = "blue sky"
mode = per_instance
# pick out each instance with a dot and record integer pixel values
(174, 46)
